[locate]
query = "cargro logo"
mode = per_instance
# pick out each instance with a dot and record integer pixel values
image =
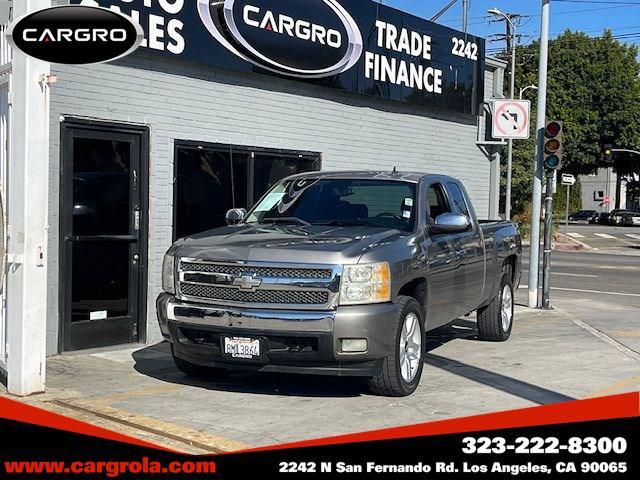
(302, 38)
(75, 34)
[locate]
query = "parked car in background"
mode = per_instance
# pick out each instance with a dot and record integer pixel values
(601, 218)
(582, 215)
(631, 219)
(617, 216)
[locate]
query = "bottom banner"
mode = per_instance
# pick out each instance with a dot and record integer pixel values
(598, 449)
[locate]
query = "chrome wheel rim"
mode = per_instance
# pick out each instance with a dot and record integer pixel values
(410, 347)
(506, 312)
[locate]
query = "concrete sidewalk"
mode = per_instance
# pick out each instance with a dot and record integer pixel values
(552, 357)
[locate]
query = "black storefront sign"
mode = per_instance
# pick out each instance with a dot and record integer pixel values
(355, 45)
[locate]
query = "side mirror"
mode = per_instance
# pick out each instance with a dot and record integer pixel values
(451, 223)
(235, 216)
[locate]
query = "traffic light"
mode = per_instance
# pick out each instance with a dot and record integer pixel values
(552, 153)
(607, 154)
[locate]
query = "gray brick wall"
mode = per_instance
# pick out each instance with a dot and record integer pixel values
(181, 101)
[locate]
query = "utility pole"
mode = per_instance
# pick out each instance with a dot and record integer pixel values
(511, 40)
(534, 258)
(465, 15)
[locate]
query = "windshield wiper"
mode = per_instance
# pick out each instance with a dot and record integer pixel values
(287, 220)
(345, 223)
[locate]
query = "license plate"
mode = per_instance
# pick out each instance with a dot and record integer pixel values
(240, 347)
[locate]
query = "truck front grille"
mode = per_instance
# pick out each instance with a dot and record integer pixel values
(274, 272)
(300, 297)
(295, 286)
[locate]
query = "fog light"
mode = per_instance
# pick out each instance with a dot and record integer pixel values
(353, 345)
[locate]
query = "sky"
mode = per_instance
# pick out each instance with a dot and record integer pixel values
(590, 16)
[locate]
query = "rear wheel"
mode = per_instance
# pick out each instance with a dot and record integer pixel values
(495, 321)
(402, 369)
(193, 370)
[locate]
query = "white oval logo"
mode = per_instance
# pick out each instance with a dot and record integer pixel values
(304, 39)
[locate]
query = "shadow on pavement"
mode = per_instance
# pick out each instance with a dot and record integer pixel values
(156, 362)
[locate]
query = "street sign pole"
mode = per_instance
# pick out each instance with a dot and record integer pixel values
(512, 88)
(566, 218)
(534, 262)
(548, 230)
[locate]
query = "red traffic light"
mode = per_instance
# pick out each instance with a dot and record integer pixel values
(553, 129)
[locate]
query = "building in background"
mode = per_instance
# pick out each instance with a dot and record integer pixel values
(603, 191)
(158, 145)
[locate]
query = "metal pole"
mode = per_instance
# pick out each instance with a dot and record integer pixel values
(548, 227)
(566, 218)
(465, 8)
(608, 189)
(512, 88)
(534, 259)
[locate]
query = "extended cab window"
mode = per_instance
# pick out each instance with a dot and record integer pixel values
(340, 202)
(437, 201)
(457, 198)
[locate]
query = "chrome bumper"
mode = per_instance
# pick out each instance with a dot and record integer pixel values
(243, 318)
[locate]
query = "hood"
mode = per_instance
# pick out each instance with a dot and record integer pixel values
(278, 243)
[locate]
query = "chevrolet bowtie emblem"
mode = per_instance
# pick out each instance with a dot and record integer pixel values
(247, 283)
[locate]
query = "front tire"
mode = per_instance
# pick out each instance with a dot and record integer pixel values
(402, 369)
(495, 321)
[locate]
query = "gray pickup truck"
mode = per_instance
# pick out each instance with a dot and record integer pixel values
(339, 273)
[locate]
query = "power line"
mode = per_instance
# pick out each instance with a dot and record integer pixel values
(608, 2)
(486, 18)
(565, 41)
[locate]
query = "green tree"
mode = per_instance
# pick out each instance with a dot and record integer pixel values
(594, 88)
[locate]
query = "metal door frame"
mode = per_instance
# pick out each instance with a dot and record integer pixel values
(67, 127)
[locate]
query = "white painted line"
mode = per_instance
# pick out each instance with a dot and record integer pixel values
(589, 291)
(633, 235)
(584, 275)
(604, 235)
(575, 235)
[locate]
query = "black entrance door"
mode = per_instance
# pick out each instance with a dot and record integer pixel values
(103, 223)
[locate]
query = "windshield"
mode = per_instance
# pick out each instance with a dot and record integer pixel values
(309, 201)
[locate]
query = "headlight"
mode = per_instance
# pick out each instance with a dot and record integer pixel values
(168, 284)
(370, 283)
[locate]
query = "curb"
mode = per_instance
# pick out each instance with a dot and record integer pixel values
(578, 242)
(564, 246)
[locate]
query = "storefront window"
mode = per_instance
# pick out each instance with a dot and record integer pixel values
(213, 179)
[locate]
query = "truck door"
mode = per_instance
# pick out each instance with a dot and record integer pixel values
(446, 264)
(471, 243)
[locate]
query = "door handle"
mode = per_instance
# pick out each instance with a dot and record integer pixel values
(136, 257)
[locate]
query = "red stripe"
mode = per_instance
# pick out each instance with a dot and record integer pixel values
(20, 412)
(605, 408)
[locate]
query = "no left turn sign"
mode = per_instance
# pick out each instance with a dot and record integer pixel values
(511, 119)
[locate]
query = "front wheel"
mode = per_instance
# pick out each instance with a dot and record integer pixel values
(402, 368)
(495, 321)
